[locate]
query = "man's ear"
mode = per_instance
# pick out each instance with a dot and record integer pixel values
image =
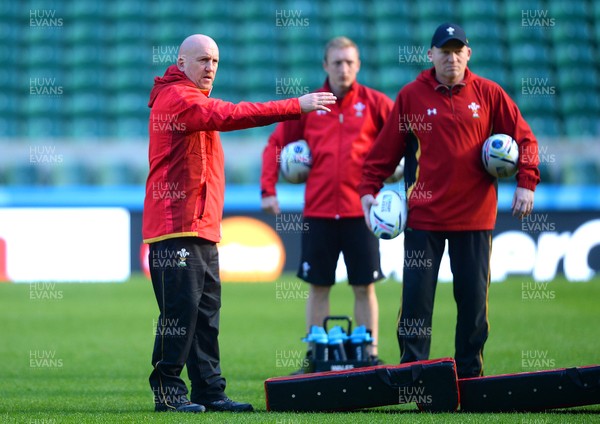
(180, 62)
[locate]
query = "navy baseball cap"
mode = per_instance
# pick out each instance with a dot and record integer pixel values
(446, 32)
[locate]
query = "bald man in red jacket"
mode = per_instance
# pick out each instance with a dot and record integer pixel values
(182, 219)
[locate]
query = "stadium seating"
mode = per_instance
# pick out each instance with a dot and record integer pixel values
(104, 58)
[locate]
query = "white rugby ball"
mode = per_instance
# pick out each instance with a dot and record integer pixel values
(295, 161)
(500, 155)
(388, 217)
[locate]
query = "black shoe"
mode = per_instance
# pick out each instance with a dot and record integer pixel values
(185, 406)
(228, 405)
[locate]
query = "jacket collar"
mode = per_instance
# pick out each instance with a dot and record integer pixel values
(172, 76)
(349, 95)
(428, 76)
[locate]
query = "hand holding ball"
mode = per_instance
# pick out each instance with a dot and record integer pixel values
(388, 217)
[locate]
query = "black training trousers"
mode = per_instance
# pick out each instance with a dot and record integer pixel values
(185, 278)
(469, 253)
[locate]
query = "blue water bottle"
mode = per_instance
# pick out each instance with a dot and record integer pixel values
(317, 342)
(359, 339)
(337, 337)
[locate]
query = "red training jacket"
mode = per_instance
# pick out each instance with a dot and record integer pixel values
(186, 182)
(440, 132)
(339, 141)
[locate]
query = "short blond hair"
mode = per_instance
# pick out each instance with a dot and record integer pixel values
(340, 42)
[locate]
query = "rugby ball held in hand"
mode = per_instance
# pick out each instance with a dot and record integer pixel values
(500, 155)
(296, 161)
(388, 217)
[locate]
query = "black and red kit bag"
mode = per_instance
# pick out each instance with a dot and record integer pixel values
(531, 391)
(431, 384)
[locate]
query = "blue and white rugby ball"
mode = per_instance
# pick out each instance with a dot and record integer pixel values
(296, 161)
(388, 217)
(500, 155)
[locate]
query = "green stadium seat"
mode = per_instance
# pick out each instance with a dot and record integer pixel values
(350, 28)
(514, 10)
(595, 12)
(572, 30)
(263, 80)
(490, 55)
(583, 101)
(529, 54)
(41, 55)
(22, 173)
(128, 10)
(393, 78)
(84, 10)
(128, 31)
(80, 128)
(82, 31)
(85, 102)
(128, 79)
(42, 35)
(388, 31)
(43, 126)
(537, 104)
(132, 126)
(9, 127)
(300, 54)
(582, 126)
(583, 171)
(574, 54)
(85, 55)
(436, 11)
(348, 10)
(543, 125)
(485, 33)
(127, 104)
(399, 12)
(583, 76)
(516, 34)
(161, 12)
(549, 172)
(127, 56)
(561, 10)
(475, 11)
(254, 33)
(498, 74)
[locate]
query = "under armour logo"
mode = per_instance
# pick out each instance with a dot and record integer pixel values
(432, 111)
(450, 30)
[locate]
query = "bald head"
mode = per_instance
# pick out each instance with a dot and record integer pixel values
(199, 58)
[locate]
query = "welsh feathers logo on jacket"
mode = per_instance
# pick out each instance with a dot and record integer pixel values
(359, 107)
(474, 107)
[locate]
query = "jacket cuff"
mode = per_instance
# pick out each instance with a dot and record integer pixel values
(267, 193)
(528, 182)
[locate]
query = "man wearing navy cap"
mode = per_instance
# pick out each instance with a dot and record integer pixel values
(439, 124)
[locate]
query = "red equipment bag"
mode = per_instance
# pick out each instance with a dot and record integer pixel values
(432, 385)
(531, 391)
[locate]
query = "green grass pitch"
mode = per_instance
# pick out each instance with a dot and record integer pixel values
(79, 353)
